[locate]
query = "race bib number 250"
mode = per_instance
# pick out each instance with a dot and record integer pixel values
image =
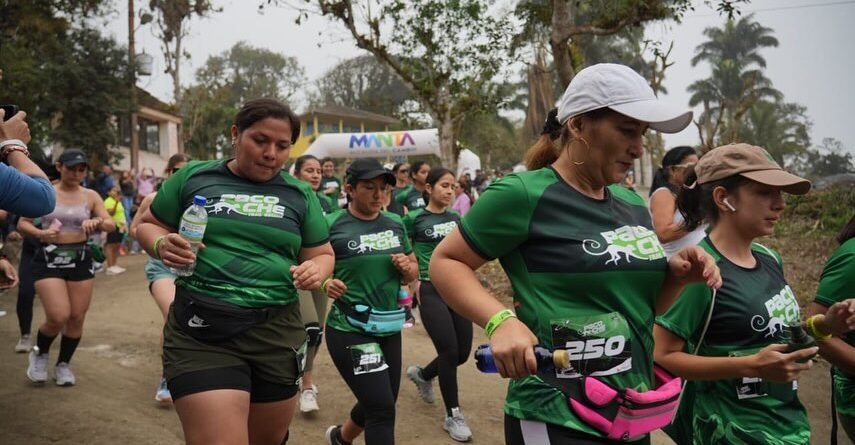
(597, 345)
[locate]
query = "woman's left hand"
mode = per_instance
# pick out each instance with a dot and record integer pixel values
(8, 274)
(307, 276)
(90, 226)
(840, 317)
(401, 262)
(692, 265)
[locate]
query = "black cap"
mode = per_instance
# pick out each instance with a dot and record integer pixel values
(72, 156)
(367, 168)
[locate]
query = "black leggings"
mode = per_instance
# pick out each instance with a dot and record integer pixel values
(525, 432)
(26, 286)
(376, 392)
(452, 337)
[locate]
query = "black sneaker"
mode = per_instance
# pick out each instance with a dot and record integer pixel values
(333, 436)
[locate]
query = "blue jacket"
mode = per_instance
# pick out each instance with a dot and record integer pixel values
(24, 195)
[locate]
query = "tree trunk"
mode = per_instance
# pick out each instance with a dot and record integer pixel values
(446, 141)
(562, 19)
(176, 70)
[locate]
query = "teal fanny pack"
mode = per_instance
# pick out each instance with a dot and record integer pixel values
(373, 321)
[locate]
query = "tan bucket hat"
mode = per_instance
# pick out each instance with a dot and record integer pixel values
(751, 162)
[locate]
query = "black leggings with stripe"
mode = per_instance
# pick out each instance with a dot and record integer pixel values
(527, 432)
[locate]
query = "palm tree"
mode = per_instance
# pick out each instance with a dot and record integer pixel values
(783, 129)
(737, 81)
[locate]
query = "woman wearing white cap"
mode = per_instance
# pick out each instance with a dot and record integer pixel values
(748, 350)
(588, 272)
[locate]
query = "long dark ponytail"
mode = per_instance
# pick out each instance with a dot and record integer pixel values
(673, 157)
(696, 204)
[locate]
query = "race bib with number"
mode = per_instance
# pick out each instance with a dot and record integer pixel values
(597, 345)
(367, 358)
(753, 387)
(63, 257)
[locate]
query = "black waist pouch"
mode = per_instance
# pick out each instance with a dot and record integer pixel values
(210, 319)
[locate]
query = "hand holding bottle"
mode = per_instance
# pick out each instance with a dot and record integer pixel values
(512, 345)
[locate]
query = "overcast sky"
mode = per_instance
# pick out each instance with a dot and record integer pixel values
(814, 64)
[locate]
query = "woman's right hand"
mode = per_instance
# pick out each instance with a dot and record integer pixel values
(336, 288)
(774, 364)
(513, 344)
(176, 251)
(48, 236)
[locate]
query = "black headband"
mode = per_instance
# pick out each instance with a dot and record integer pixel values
(551, 126)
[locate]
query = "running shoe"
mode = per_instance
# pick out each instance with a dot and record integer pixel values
(163, 395)
(425, 387)
(332, 436)
(309, 400)
(456, 426)
(115, 270)
(24, 344)
(97, 267)
(63, 374)
(37, 369)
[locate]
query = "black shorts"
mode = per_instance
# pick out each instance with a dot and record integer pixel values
(262, 360)
(69, 262)
(524, 432)
(115, 237)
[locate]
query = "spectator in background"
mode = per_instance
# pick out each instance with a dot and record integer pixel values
(128, 186)
(26, 189)
(104, 182)
(629, 180)
(330, 184)
(668, 224)
(146, 182)
(462, 201)
(114, 207)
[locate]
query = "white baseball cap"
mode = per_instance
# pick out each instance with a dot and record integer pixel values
(620, 88)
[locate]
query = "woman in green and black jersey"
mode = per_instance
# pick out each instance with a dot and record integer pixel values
(373, 258)
(586, 268)
(412, 196)
(234, 339)
(313, 304)
(742, 371)
(451, 334)
(836, 284)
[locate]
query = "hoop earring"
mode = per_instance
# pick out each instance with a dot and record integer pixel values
(587, 146)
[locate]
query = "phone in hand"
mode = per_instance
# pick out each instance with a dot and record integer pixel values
(10, 110)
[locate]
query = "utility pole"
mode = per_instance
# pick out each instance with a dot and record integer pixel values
(135, 137)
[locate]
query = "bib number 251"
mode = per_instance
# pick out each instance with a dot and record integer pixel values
(595, 348)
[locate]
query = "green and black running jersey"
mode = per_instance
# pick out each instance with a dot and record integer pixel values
(585, 274)
(254, 235)
(395, 206)
(752, 310)
(328, 204)
(427, 230)
(837, 283)
(363, 262)
(331, 181)
(410, 198)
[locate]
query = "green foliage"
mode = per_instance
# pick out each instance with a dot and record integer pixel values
(821, 213)
(831, 158)
(67, 77)
(492, 137)
(224, 83)
(365, 84)
(783, 129)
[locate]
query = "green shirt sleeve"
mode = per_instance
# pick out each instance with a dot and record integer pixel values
(314, 229)
(167, 207)
(408, 223)
(499, 220)
(401, 196)
(685, 318)
(837, 281)
(405, 243)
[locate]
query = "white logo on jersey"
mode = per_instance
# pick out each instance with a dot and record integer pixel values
(375, 241)
(441, 230)
(262, 206)
(630, 241)
(782, 310)
(197, 322)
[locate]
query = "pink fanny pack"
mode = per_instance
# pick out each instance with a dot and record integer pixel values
(626, 414)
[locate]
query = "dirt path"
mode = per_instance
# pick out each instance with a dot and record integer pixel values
(118, 368)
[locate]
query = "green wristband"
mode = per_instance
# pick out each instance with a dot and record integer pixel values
(324, 284)
(496, 320)
(157, 244)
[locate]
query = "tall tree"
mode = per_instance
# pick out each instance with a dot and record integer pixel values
(783, 129)
(363, 83)
(445, 51)
(227, 80)
(172, 18)
(737, 81)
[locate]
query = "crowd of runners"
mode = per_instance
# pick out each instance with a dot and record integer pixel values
(662, 316)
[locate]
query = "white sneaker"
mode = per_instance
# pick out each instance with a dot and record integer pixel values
(115, 270)
(425, 387)
(309, 400)
(38, 364)
(457, 427)
(163, 395)
(24, 344)
(63, 375)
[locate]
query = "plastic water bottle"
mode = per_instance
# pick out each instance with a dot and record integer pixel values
(192, 228)
(800, 339)
(546, 359)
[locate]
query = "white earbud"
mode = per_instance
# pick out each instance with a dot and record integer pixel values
(729, 205)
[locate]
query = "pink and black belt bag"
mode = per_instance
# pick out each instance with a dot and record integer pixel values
(623, 414)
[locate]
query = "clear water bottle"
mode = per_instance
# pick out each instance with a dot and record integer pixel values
(192, 228)
(546, 359)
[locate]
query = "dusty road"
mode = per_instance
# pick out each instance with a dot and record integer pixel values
(118, 367)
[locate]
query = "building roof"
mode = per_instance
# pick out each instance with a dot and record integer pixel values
(146, 99)
(340, 111)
